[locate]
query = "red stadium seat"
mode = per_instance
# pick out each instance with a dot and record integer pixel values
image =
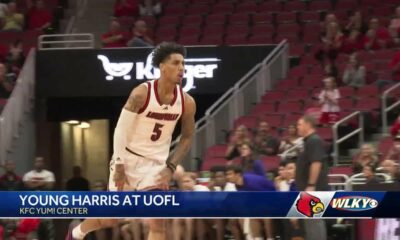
(177, 10)
(265, 28)
(291, 118)
(287, 84)
(384, 55)
(290, 107)
(297, 94)
(311, 82)
(274, 120)
(261, 39)
(198, 9)
(319, 5)
(263, 18)
(246, 7)
(189, 31)
(248, 121)
(382, 10)
(298, 72)
(150, 21)
(310, 16)
(237, 30)
(295, 6)
(189, 40)
(346, 92)
(223, 7)
(271, 162)
(368, 91)
(239, 18)
(286, 17)
(341, 170)
(368, 104)
(346, 5)
(270, 6)
(262, 109)
(170, 20)
(325, 133)
(288, 28)
(211, 30)
(346, 103)
(212, 40)
(290, 37)
(211, 162)
(296, 49)
(384, 145)
(273, 96)
(215, 19)
(309, 60)
(236, 39)
(217, 150)
(192, 20)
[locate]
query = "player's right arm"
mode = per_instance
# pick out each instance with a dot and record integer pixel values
(123, 130)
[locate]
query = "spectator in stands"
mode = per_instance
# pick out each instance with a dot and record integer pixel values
(355, 73)
(13, 21)
(15, 57)
(291, 144)
(39, 18)
(280, 180)
(3, 10)
(329, 100)
(264, 142)
(315, 109)
(126, 8)
(366, 155)
(392, 168)
(150, 8)
(140, 37)
(6, 85)
(394, 151)
(331, 70)
(239, 136)
(218, 180)
(369, 171)
(77, 182)
(394, 37)
(329, 18)
(115, 37)
(357, 23)
(331, 43)
(249, 163)
(395, 22)
(10, 181)
(353, 42)
(39, 178)
(395, 127)
(247, 181)
(377, 37)
(395, 66)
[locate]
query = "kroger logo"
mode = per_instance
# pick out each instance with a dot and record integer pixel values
(195, 68)
(354, 203)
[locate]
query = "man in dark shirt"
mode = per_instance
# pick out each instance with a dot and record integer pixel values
(10, 181)
(264, 142)
(248, 181)
(77, 182)
(312, 172)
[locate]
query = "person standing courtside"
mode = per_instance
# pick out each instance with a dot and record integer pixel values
(312, 171)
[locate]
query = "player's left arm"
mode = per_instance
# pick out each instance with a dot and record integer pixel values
(187, 131)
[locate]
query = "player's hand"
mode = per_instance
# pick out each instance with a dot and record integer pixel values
(163, 178)
(120, 177)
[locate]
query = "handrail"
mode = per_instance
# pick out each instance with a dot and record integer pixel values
(86, 41)
(386, 109)
(358, 179)
(337, 141)
(337, 184)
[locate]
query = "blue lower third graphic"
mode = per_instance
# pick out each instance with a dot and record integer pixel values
(198, 204)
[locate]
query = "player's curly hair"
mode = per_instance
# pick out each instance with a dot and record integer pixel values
(164, 50)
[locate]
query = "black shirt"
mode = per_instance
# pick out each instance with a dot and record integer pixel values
(314, 151)
(78, 184)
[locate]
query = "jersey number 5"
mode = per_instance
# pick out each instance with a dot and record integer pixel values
(156, 132)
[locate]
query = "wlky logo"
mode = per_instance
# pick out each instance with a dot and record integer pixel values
(195, 68)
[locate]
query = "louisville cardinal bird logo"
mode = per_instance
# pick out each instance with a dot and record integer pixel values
(309, 205)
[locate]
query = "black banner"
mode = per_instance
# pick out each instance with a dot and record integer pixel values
(114, 72)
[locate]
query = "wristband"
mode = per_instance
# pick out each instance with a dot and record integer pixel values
(310, 185)
(171, 166)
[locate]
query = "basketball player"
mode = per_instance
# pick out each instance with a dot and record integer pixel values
(143, 135)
